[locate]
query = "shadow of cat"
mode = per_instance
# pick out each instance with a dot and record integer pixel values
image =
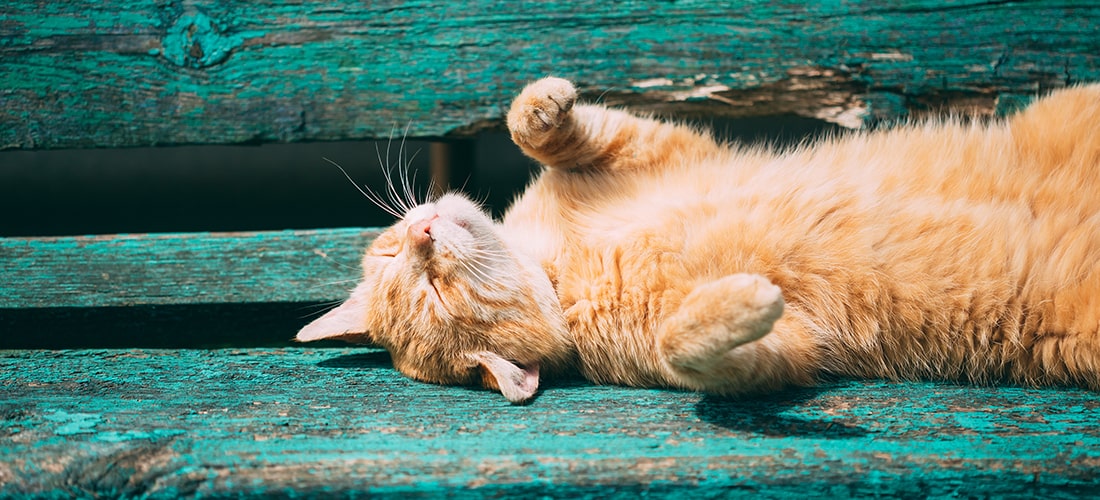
(774, 415)
(364, 360)
(771, 415)
(380, 359)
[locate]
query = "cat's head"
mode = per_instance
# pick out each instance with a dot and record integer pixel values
(453, 304)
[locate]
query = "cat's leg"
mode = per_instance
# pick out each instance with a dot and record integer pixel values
(718, 316)
(731, 336)
(548, 125)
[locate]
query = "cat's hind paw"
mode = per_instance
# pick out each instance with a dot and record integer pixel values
(539, 109)
(719, 316)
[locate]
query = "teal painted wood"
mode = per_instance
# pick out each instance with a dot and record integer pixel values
(175, 269)
(288, 422)
(145, 72)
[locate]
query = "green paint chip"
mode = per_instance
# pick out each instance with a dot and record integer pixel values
(74, 423)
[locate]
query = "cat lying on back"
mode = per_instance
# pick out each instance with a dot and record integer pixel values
(648, 254)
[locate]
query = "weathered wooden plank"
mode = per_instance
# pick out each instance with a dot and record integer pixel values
(319, 421)
(145, 72)
(172, 290)
(188, 268)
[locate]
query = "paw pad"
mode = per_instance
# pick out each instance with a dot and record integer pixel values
(542, 106)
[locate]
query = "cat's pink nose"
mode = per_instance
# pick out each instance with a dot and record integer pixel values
(420, 232)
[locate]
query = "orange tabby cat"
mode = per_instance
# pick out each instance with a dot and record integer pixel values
(648, 254)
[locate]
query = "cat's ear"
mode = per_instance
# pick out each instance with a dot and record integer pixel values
(348, 322)
(517, 384)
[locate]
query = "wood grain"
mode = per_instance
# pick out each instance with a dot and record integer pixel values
(185, 268)
(196, 290)
(308, 422)
(143, 72)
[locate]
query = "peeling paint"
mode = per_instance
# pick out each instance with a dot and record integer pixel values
(117, 74)
(850, 117)
(69, 424)
(893, 55)
(342, 421)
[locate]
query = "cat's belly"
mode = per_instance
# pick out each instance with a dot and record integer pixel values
(614, 299)
(893, 286)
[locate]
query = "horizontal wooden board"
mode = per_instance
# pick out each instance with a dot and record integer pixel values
(180, 269)
(152, 72)
(308, 422)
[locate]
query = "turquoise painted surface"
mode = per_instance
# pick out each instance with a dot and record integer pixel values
(144, 72)
(309, 421)
(190, 268)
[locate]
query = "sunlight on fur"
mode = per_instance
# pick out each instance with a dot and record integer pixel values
(648, 254)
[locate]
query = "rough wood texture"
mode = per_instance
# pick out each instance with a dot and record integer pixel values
(145, 72)
(187, 268)
(172, 290)
(307, 422)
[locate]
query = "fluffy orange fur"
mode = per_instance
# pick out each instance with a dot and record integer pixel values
(648, 254)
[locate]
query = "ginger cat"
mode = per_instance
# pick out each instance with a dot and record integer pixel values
(648, 254)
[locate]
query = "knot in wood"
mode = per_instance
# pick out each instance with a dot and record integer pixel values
(197, 41)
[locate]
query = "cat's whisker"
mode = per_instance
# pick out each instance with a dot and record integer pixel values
(320, 305)
(373, 197)
(404, 165)
(487, 280)
(483, 198)
(497, 251)
(402, 175)
(391, 192)
(473, 268)
(370, 195)
(382, 202)
(490, 256)
(334, 283)
(343, 265)
(487, 259)
(465, 184)
(411, 178)
(321, 308)
(599, 100)
(403, 179)
(483, 274)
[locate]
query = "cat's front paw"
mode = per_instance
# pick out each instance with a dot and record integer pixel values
(539, 109)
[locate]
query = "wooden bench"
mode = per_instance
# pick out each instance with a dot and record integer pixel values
(159, 364)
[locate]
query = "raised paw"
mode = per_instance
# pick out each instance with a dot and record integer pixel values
(539, 109)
